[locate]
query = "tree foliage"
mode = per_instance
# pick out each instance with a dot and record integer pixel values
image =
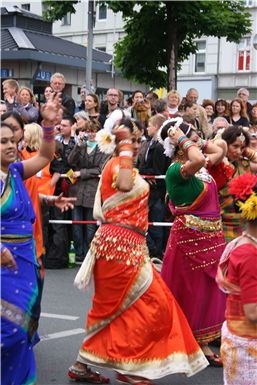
(160, 35)
(55, 10)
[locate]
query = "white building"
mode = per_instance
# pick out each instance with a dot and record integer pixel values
(218, 69)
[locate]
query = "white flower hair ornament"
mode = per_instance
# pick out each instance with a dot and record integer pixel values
(105, 141)
(169, 147)
(177, 121)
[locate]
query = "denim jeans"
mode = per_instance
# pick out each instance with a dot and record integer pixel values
(82, 234)
(155, 235)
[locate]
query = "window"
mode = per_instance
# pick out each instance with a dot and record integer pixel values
(244, 54)
(102, 15)
(101, 49)
(200, 56)
(248, 3)
(26, 7)
(66, 20)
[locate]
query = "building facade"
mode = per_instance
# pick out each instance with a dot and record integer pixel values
(217, 70)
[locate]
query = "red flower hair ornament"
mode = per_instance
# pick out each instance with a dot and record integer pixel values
(242, 186)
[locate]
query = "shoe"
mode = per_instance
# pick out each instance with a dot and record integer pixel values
(87, 375)
(215, 360)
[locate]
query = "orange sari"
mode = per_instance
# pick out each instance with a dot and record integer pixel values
(135, 325)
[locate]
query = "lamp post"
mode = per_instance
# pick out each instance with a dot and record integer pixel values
(91, 16)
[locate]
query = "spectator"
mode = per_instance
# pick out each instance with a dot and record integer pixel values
(253, 137)
(128, 102)
(83, 94)
(152, 161)
(82, 119)
(140, 109)
(92, 106)
(173, 99)
(87, 161)
(152, 97)
(58, 237)
(107, 107)
(27, 106)
(110, 112)
(219, 123)
(10, 91)
(237, 113)
(221, 108)
(253, 119)
(48, 92)
(243, 94)
(161, 107)
(57, 83)
(192, 96)
(208, 105)
(3, 108)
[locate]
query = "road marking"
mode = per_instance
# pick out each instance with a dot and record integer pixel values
(59, 316)
(65, 333)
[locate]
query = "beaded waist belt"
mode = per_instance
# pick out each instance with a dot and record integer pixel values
(199, 224)
(9, 238)
(126, 227)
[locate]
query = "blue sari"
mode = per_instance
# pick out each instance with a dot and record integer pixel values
(19, 289)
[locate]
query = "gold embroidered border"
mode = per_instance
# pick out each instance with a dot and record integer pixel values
(177, 362)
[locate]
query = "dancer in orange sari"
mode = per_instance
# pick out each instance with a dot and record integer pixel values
(135, 325)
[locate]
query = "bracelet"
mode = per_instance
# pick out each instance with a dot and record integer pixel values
(49, 200)
(203, 144)
(186, 144)
(190, 148)
(48, 133)
(182, 138)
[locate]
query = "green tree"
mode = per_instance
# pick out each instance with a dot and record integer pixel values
(160, 35)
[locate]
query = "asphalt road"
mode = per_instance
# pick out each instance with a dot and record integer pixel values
(64, 310)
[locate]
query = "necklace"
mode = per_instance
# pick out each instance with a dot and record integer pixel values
(254, 239)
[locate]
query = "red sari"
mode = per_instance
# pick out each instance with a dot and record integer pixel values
(135, 325)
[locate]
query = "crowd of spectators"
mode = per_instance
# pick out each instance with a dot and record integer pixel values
(78, 155)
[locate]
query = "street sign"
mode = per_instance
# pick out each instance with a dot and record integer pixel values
(7, 72)
(43, 75)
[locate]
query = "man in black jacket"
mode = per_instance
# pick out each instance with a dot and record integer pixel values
(152, 161)
(57, 83)
(59, 235)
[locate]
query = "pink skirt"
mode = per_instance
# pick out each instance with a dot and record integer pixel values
(189, 270)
